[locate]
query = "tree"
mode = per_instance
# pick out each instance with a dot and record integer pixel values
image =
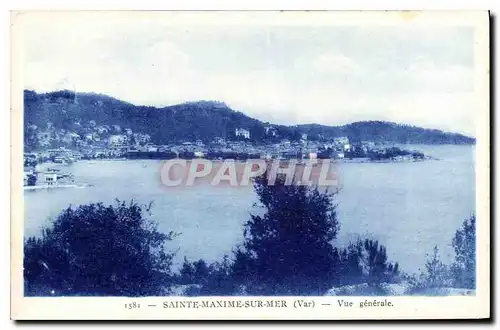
(194, 272)
(437, 271)
(289, 246)
(464, 244)
(98, 250)
(220, 280)
(366, 262)
(461, 273)
(32, 178)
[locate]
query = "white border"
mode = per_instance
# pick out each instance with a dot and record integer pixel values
(414, 307)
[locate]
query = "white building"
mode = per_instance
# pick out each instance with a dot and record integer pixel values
(199, 154)
(242, 132)
(50, 178)
(152, 148)
(312, 155)
(117, 140)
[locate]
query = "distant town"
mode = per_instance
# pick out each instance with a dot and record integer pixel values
(63, 127)
(116, 142)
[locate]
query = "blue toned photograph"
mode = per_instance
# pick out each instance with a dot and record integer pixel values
(166, 158)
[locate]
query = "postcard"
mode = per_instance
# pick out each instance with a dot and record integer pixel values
(250, 165)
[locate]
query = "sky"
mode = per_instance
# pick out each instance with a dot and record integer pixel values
(284, 74)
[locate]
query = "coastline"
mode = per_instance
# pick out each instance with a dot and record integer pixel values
(40, 187)
(45, 166)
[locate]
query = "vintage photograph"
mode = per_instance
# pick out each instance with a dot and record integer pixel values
(230, 154)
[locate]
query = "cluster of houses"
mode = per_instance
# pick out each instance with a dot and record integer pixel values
(283, 149)
(45, 175)
(120, 143)
(112, 141)
(93, 135)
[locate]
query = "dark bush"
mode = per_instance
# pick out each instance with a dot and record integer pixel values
(215, 279)
(196, 272)
(98, 250)
(220, 281)
(460, 274)
(464, 243)
(366, 262)
(32, 178)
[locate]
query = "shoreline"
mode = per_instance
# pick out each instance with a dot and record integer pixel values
(41, 187)
(44, 166)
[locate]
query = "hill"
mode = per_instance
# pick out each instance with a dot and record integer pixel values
(382, 131)
(203, 120)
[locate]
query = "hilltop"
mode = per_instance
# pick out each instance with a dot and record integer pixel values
(383, 131)
(202, 120)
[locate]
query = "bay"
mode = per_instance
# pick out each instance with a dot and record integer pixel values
(409, 207)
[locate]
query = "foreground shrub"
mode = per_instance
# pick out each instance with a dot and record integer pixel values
(215, 279)
(464, 243)
(460, 274)
(436, 275)
(366, 261)
(98, 250)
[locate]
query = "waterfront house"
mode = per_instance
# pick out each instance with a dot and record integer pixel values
(49, 178)
(152, 148)
(199, 154)
(60, 160)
